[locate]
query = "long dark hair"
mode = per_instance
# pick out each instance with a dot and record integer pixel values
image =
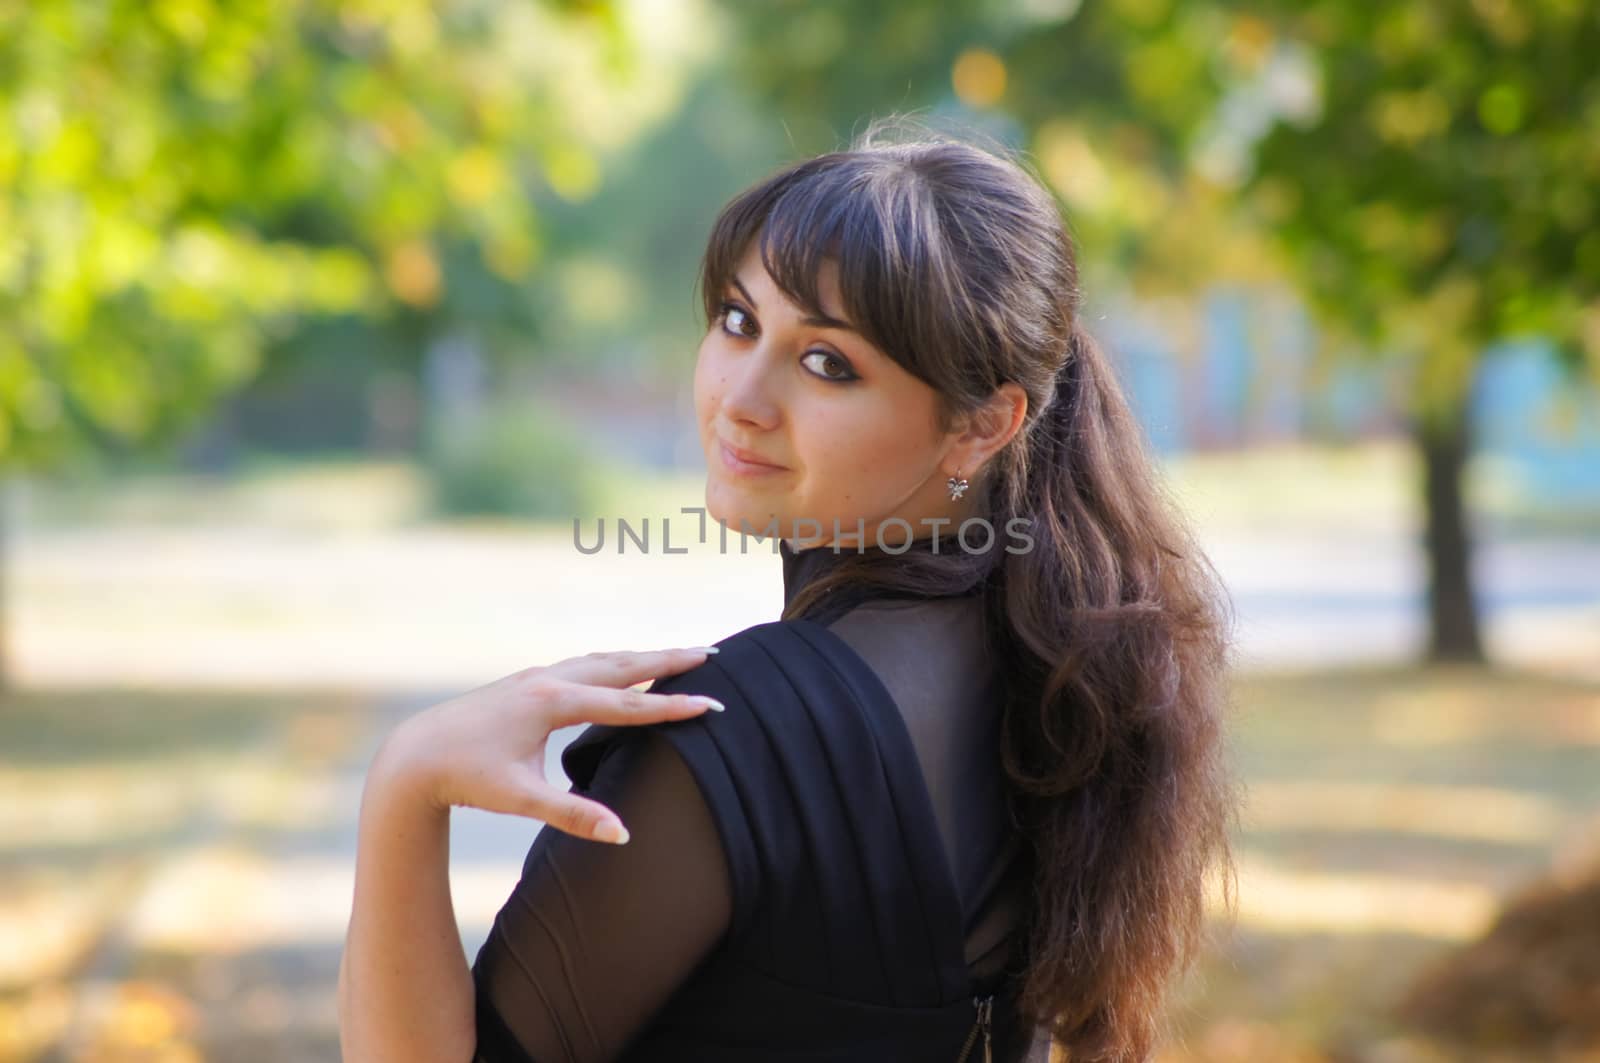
(1113, 630)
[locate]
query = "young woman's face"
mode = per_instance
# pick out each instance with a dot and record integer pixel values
(804, 421)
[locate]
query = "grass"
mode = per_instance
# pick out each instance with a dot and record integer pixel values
(1388, 810)
(133, 726)
(98, 787)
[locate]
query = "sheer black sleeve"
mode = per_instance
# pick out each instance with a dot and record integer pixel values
(595, 938)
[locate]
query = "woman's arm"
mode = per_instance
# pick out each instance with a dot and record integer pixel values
(404, 988)
(405, 992)
(596, 939)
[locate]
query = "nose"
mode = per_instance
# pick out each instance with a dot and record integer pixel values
(750, 397)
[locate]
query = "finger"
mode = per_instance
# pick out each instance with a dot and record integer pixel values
(624, 668)
(577, 816)
(567, 704)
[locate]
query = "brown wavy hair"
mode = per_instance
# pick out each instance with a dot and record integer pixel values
(1112, 631)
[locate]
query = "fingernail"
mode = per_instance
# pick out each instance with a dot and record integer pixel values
(711, 703)
(611, 831)
(708, 649)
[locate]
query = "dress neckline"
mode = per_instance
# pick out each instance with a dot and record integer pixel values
(803, 566)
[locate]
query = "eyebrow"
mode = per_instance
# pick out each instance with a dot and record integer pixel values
(814, 320)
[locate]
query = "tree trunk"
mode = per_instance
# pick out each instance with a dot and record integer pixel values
(1452, 605)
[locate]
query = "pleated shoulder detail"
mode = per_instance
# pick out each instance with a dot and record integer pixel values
(840, 880)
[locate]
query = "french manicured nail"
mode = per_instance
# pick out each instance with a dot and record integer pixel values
(711, 703)
(611, 831)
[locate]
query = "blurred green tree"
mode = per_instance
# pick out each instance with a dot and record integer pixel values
(1442, 196)
(1427, 174)
(183, 183)
(184, 180)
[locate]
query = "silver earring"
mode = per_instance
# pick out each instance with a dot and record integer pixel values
(957, 485)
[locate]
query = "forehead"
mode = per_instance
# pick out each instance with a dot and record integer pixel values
(753, 273)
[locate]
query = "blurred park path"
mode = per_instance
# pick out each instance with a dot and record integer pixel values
(453, 607)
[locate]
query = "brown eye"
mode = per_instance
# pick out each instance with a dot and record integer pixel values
(728, 310)
(829, 359)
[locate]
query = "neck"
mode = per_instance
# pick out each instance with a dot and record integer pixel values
(892, 533)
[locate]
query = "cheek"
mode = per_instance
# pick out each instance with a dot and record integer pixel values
(865, 452)
(706, 385)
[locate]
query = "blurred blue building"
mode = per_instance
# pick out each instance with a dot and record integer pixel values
(1249, 379)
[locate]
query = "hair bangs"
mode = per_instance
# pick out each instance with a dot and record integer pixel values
(877, 228)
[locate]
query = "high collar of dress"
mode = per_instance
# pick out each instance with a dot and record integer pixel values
(804, 565)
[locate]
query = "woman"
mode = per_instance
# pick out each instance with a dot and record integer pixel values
(972, 780)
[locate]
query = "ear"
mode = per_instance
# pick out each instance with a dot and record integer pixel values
(982, 433)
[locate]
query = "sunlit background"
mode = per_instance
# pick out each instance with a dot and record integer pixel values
(320, 322)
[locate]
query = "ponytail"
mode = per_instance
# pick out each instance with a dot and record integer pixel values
(1112, 733)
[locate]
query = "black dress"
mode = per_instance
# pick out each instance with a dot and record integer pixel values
(825, 871)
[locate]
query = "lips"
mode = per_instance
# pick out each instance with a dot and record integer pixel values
(745, 458)
(750, 456)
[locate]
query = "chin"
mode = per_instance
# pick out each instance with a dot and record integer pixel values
(723, 503)
(729, 506)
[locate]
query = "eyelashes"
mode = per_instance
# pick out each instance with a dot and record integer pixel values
(727, 308)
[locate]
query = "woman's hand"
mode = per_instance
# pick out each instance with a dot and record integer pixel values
(486, 748)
